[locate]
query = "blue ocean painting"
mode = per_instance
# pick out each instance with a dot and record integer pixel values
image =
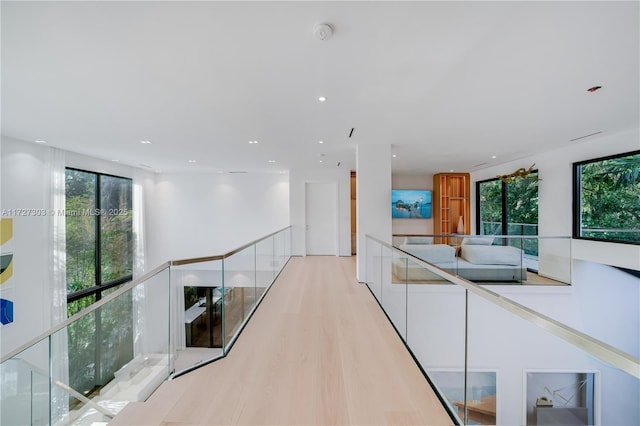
(410, 204)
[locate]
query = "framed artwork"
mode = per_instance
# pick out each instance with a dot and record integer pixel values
(560, 397)
(410, 204)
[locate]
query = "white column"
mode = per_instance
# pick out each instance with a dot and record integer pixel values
(373, 198)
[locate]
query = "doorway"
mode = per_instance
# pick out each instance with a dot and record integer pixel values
(321, 224)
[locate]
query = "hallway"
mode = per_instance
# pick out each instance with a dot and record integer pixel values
(318, 350)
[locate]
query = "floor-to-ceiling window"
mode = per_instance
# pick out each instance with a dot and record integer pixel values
(509, 208)
(99, 259)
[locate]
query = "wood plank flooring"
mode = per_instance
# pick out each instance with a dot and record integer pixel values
(318, 351)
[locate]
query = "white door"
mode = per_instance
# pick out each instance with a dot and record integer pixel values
(321, 209)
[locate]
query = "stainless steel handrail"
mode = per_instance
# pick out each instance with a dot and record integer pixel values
(226, 255)
(126, 288)
(603, 351)
(87, 310)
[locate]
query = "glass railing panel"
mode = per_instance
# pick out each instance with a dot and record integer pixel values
(554, 259)
(500, 259)
(373, 271)
(540, 378)
(25, 392)
(280, 251)
(436, 333)
(394, 288)
(197, 312)
(268, 264)
(240, 293)
(115, 354)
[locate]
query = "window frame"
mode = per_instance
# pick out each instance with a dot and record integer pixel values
(99, 286)
(576, 216)
(504, 204)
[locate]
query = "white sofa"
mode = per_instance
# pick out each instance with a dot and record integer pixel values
(476, 260)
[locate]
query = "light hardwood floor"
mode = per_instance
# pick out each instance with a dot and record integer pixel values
(318, 351)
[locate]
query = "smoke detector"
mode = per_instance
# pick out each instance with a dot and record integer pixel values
(323, 31)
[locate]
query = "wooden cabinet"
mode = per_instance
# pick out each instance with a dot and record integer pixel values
(450, 203)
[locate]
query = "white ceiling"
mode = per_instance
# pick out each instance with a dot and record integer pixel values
(448, 84)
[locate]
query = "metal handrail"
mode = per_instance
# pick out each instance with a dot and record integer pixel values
(603, 351)
(126, 288)
(226, 255)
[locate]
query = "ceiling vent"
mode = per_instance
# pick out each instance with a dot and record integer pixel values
(585, 136)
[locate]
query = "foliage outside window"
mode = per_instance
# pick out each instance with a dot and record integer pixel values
(99, 253)
(607, 198)
(509, 208)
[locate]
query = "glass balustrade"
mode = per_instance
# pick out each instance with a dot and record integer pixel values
(25, 386)
(121, 349)
(495, 360)
(494, 259)
(197, 312)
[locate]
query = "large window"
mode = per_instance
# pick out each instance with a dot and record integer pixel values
(509, 208)
(99, 251)
(607, 198)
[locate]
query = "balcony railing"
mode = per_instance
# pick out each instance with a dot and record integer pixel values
(489, 259)
(179, 316)
(496, 361)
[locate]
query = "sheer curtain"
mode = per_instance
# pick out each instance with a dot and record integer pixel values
(58, 285)
(139, 260)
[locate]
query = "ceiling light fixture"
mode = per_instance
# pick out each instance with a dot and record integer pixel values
(451, 170)
(323, 31)
(253, 142)
(40, 141)
(394, 155)
(116, 161)
(494, 157)
(145, 142)
(320, 141)
(192, 161)
(322, 98)
(272, 161)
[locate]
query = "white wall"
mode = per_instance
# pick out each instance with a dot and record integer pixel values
(555, 193)
(195, 215)
(26, 185)
(373, 203)
(298, 179)
(602, 301)
(411, 226)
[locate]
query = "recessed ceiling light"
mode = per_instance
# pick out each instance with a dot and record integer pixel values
(320, 141)
(493, 156)
(253, 142)
(272, 161)
(451, 170)
(116, 161)
(192, 161)
(145, 142)
(322, 98)
(40, 141)
(394, 155)
(321, 161)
